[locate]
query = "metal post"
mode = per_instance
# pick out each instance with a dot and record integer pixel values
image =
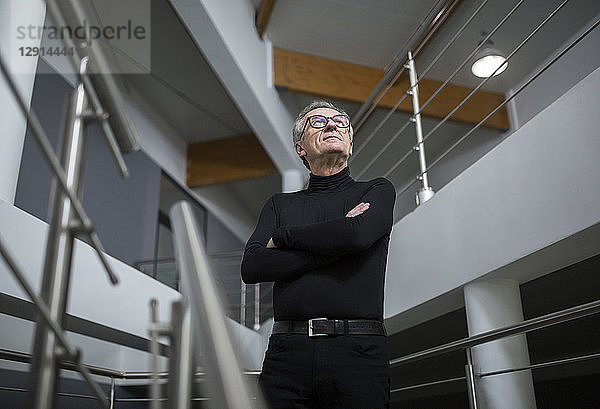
(59, 249)
(112, 393)
(181, 362)
(155, 351)
(243, 304)
(426, 192)
(257, 306)
(229, 390)
(470, 375)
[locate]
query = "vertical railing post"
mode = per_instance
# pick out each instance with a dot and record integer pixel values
(257, 306)
(155, 351)
(181, 360)
(426, 192)
(112, 393)
(158, 329)
(59, 251)
(243, 304)
(470, 375)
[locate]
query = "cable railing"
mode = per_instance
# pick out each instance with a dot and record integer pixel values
(406, 94)
(413, 91)
(481, 84)
(514, 94)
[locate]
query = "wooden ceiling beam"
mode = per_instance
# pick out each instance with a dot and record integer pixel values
(227, 160)
(328, 78)
(263, 15)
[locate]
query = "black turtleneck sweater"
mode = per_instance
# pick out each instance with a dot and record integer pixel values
(325, 264)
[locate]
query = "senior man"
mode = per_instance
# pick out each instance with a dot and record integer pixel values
(325, 248)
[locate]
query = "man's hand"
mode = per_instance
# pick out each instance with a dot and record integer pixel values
(359, 209)
(270, 244)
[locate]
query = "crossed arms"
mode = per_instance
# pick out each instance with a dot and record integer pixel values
(278, 253)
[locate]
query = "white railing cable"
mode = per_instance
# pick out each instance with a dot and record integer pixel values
(379, 125)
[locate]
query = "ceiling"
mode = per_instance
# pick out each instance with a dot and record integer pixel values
(183, 87)
(372, 33)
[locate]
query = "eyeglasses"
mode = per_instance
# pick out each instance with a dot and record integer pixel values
(320, 121)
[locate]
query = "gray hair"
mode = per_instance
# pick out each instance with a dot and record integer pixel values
(299, 125)
(317, 103)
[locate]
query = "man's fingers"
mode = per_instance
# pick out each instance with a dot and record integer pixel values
(358, 209)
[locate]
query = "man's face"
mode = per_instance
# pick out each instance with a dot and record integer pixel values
(329, 140)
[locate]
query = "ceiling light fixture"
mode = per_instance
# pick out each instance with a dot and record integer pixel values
(487, 60)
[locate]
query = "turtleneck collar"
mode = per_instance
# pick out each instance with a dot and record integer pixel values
(339, 181)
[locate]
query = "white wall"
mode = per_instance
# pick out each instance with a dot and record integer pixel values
(538, 188)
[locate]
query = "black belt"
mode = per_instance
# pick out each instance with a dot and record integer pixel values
(323, 327)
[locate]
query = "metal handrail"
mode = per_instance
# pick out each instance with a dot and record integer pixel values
(17, 356)
(220, 254)
(532, 324)
(432, 383)
(500, 372)
(207, 315)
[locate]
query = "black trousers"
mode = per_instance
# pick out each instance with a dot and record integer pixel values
(336, 372)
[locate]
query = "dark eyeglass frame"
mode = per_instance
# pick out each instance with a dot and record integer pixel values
(327, 118)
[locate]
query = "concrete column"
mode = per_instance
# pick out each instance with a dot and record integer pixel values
(292, 180)
(14, 13)
(493, 304)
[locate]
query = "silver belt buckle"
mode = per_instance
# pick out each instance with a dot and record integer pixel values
(310, 327)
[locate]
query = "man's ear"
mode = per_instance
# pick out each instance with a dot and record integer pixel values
(351, 146)
(299, 149)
